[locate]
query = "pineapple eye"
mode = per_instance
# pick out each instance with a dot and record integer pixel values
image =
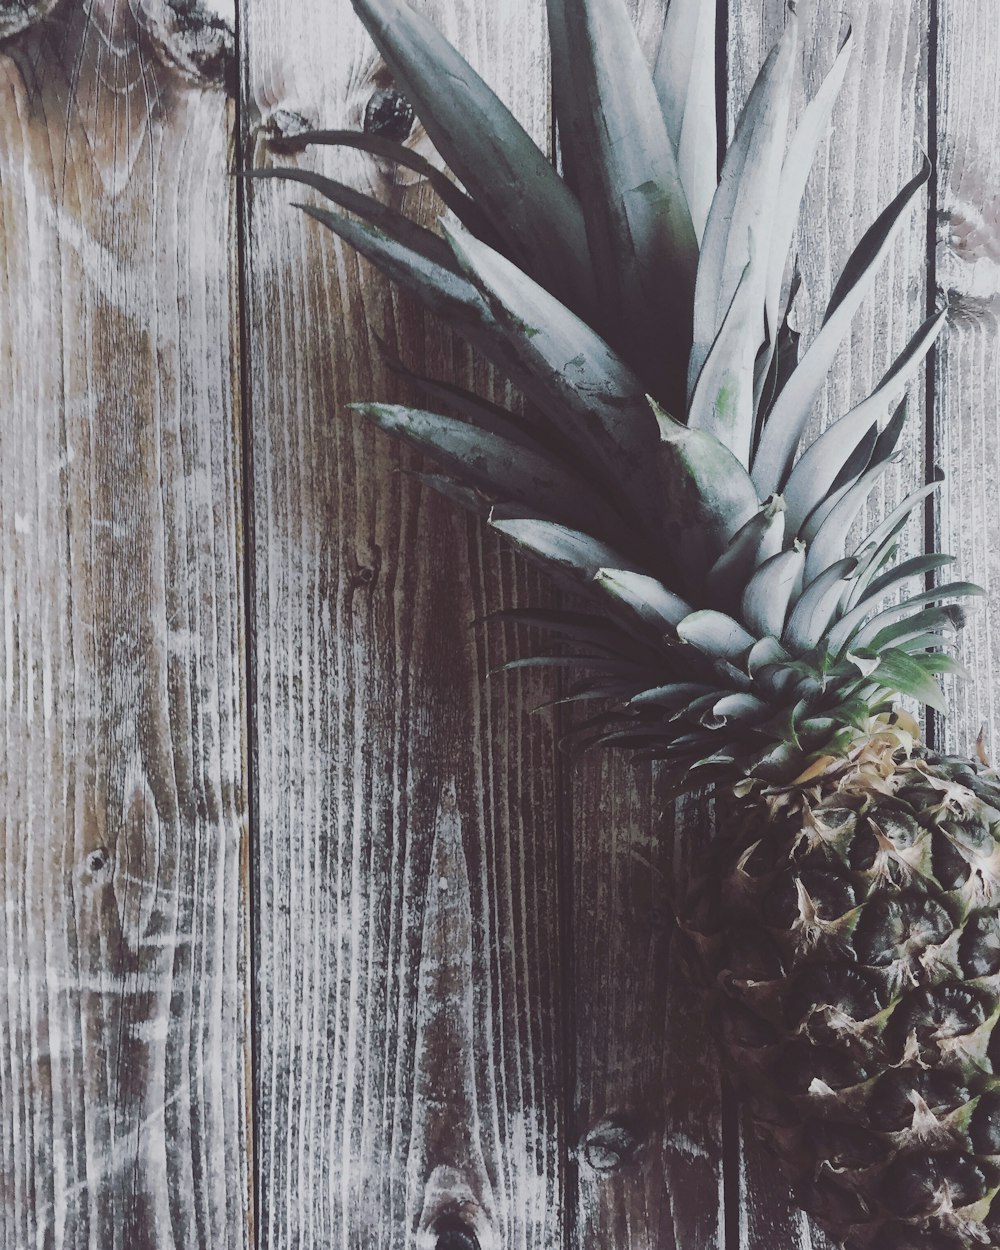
(830, 895)
(950, 867)
(833, 992)
(892, 928)
(892, 1103)
(800, 1064)
(985, 1128)
(921, 1184)
(935, 1016)
(979, 947)
(846, 1145)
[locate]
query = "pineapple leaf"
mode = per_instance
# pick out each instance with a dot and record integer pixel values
(770, 591)
(673, 696)
(900, 574)
(575, 555)
(639, 228)
(754, 543)
(493, 464)
(744, 204)
(809, 134)
(647, 598)
(811, 616)
(716, 634)
(498, 162)
(906, 674)
(443, 291)
(574, 372)
(817, 468)
(723, 400)
(707, 494)
(684, 77)
(856, 630)
(786, 421)
(463, 206)
(388, 220)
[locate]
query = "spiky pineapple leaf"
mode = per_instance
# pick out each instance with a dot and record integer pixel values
(750, 547)
(769, 592)
(684, 78)
(575, 374)
(650, 601)
(787, 418)
(463, 206)
(498, 162)
(814, 609)
(716, 634)
(900, 574)
(905, 674)
(639, 230)
(744, 204)
(816, 470)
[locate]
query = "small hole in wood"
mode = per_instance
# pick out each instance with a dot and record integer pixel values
(98, 860)
(388, 114)
(455, 1234)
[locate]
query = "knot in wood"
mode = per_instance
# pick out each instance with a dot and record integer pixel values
(98, 860)
(388, 114)
(608, 1145)
(454, 1234)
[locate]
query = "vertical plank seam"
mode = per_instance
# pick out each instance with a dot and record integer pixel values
(931, 504)
(730, 1120)
(248, 553)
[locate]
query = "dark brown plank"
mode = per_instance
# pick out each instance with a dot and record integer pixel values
(966, 445)
(410, 1069)
(123, 926)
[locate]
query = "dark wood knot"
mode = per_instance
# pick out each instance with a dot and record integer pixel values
(388, 114)
(608, 1145)
(98, 860)
(454, 1234)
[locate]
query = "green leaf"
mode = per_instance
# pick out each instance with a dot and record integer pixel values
(715, 634)
(904, 674)
(790, 413)
(707, 495)
(854, 629)
(745, 202)
(639, 227)
(753, 544)
(723, 399)
(819, 465)
(565, 552)
(684, 78)
(673, 696)
(498, 162)
(769, 592)
(442, 291)
(941, 621)
(648, 599)
(811, 616)
(900, 574)
(493, 464)
(463, 206)
(592, 395)
(880, 542)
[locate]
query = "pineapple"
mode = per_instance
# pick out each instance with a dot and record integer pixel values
(734, 629)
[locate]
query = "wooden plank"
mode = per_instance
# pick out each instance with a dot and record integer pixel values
(123, 925)
(874, 147)
(409, 968)
(647, 1106)
(966, 445)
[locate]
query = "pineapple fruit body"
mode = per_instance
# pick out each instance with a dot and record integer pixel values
(852, 941)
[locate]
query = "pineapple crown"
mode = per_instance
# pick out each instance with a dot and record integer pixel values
(640, 301)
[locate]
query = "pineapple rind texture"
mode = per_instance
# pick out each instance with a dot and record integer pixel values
(851, 939)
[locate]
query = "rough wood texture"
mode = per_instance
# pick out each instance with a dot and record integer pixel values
(408, 905)
(123, 1020)
(874, 147)
(967, 395)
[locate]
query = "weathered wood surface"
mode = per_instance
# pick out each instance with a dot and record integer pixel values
(467, 1014)
(123, 925)
(966, 437)
(409, 967)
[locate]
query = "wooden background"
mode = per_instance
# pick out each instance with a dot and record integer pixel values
(309, 937)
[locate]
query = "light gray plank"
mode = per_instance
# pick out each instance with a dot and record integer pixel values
(408, 902)
(875, 146)
(123, 924)
(967, 395)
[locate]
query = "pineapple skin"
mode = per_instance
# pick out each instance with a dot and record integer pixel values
(850, 938)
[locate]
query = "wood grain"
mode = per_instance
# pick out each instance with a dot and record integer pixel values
(123, 926)
(875, 144)
(410, 1061)
(966, 443)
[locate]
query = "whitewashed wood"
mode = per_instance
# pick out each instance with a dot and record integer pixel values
(966, 443)
(378, 1111)
(123, 925)
(875, 146)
